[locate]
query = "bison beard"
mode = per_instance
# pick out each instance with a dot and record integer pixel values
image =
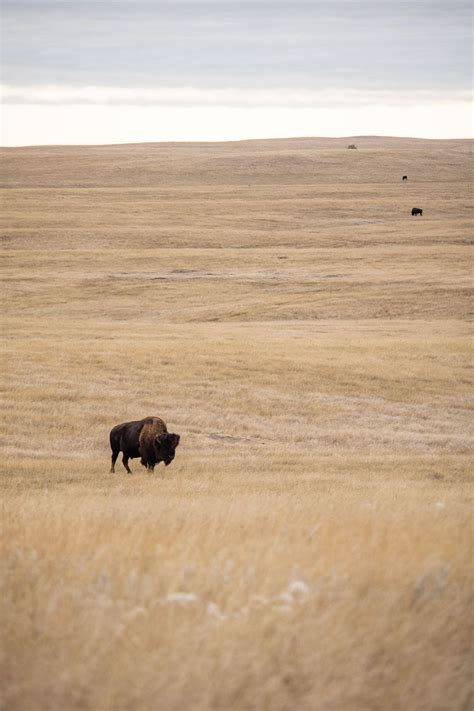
(147, 438)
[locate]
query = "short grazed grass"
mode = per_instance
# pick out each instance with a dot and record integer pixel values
(311, 545)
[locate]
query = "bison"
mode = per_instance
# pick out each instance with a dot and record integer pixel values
(417, 211)
(405, 177)
(156, 445)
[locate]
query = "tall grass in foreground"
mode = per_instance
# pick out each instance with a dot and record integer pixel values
(217, 586)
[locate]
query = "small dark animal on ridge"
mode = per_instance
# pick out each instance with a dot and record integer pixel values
(158, 444)
(405, 177)
(417, 211)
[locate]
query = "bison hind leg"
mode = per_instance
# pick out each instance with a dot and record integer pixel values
(115, 454)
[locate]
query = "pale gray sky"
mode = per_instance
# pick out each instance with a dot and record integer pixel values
(361, 61)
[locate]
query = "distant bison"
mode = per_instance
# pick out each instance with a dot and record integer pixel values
(127, 438)
(405, 177)
(417, 211)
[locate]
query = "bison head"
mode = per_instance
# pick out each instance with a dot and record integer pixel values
(165, 445)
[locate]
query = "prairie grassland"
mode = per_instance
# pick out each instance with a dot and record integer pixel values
(311, 545)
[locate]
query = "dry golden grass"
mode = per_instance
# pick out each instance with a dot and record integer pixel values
(310, 547)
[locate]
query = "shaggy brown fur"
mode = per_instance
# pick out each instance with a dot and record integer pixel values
(156, 444)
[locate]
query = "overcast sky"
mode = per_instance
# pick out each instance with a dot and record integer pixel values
(139, 70)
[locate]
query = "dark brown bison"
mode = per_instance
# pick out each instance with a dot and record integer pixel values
(126, 438)
(405, 177)
(416, 211)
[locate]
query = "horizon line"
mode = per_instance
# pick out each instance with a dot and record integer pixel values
(241, 140)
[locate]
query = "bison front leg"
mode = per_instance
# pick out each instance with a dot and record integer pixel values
(148, 464)
(125, 459)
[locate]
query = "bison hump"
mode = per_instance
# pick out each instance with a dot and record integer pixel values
(155, 422)
(152, 426)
